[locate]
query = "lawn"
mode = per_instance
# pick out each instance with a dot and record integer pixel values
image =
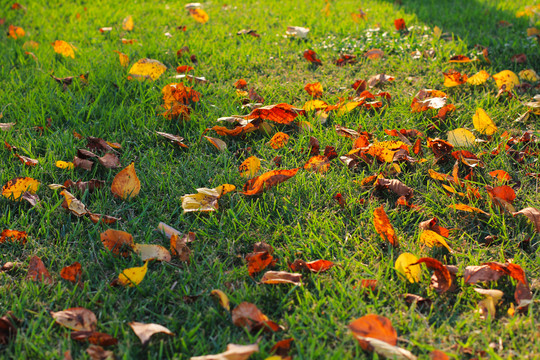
(301, 218)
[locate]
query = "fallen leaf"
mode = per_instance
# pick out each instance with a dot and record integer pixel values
(145, 331)
(72, 273)
(488, 306)
(314, 90)
(147, 69)
(431, 239)
(127, 23)
(117, 241)
(267, 180)
(500, 175)
(279, 140)
(77, 318)
(454, 78)
(482, 273)
(318, 163)
(218, 143)
(75, 206)
(396, 186)
(96, 352)
(383, 226)
(63, 48)
(123, 58)
(460, 59)
(379, 79)
(13, 236)
(479, 78)
(282, 348)
(249, 316)
(399, 24)
(250, 167)
(94, 337)
(483, 123)
(297, 31)
(529, 75)
(199, 15)
(438, 355)
(373, 326)
(6, 126)
(184, 69)
(205, 200)
(152, 252)
(374, 54)
(281, 277)
(126, 184)
(532, 214)
(16, 187)
(174, 138)
(223, 299)
(311, 56)
(258, 261)
(64, 165)
(133, 276)
(82, 186)
(240, 84)
(313, 266)
(441, 274)
(403, 266)
(179, 246)
(506, 78)
(461, 137)
(37, 271)
(433, 225)
(110, 161)
(16, 32)
(233, 352)
(8, 331)
(279, 113)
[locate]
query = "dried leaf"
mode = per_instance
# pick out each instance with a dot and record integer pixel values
(72, 273)
(174, 138)
(258, 261)
(223, 299)
(383, 226)
(374, 54)
(441, 274)
(482, 273)
(454, 78)
(483, 124)
(13, 236)
(117, 241)
(396, 186)
(37, 271)
(145, 331)
(431, 239)
(147, 69)
(318, 163)
(234, 352)
(110, 161)
(64, 165)
(279, 140)
(179, 246)
(279, 113)
(8, 331)
(267, 180)
(281, 277)
(506, 78)
(126, 184)
(297, 31)
(152, 252)
(123, 58)
(403, 266)
(532, 214)
(467, 208)
(249, 316)
(250, 167)
(488, 306)
(77, 318)
(16, 187)
(399, 24)
(479, 78)
(127, 23)
(314, 90)
(461, 137)
(311, 56)
(94, 337)
(433, 225)
(133, 276)
(75, 206)
(199, 15)
(98, 353)
(373, 326)
(313, 266)
(205, 200)
(218, 143)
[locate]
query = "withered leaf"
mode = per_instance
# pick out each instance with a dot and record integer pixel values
(281, 277)
(443, 276)
(145, 331)
(433, 225)
(110, 161)
(72, 273)
(258, 261)
(77, 318)
(13, 236)
(383, 226)
(8, 331)
(96, 352)
(117, 241)
(533, 214)
(126, 184)
(313, 266)
(474, 274)
(82, 163)
(233, 352)
(37, 271)
(249, 316)
(94, 337)
(279, 113)
(311, 56)
(396, 186)
(89, 185)
(267, 180)
(174, 138)
(74, 205)
(375, 327)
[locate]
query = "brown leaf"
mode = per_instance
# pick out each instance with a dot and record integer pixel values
(438, 355)
(26, 160)
(98, 144)
(82, 163)
(91, 185)
(218, 143)
(282, 348)
(318, 163)
(379, 79)
(72, 273)
(383, 226)
(484, 273)
(119, 242)
(174, 138)
(110, 161)
(513, 270)
(258, 261)
(145, 331)
(37, 271)
(421, 303)
(532, 214)
(249, 316)
(267, 180)
(98, 353)
(179, 245)
(100, 218)
(8, 331)
(94, 337)
(126, 184)
(345, 59)
(281, 277)
(396, 186)
(443, 276)
(77, 318)
(373, 326)
(279, 140)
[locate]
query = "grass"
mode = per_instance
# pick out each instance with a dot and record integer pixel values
(299, 218)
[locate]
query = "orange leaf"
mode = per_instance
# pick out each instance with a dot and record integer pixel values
(267, 180)
(13, 236)
(15, 188)
(433, 225)
(314, 89)
(126, 184)
(279, 140)
(94, 337)
(127, 24)
(318, 163)
(199, 15)
(454, 78)
(374, 54)
(383, 226)
(311, 56)
(240, 84)
(15, 32)
(459, 59)
(443, 276)
(249, 316)
(119, 242)
(72, 273)
(400, 24)
(63, 48)
(373, 326)
(184, 69)
(218, 143)
(38, 272)
(178, 92)
(504, 192)
(468, 208)
(500, 175)
(313, 266)
(258, 261)
(282, 277)
(513, 270)
(280, 113)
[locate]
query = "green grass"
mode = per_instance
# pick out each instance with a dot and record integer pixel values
(299, 218)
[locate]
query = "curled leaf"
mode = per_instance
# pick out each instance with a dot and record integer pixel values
(383, 226)
(267, 180)
(282, 277)
(373, 326)
(152, 252)
(443, 278)
(249, 316)
(145, 331)
(77, 318)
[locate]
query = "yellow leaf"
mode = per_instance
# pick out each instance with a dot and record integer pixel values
(147, 69)
(483, 124)
(133, 276)
(223, 299)
(314, 105)
(64, 165)
(199, 15)
(468, 208)
(431, 239)
(488, 305)
(412, 273)
(461, 137)
(74, 205)
(224, 189)
(205, 200)
(250, 167)
(529, 75)
(152, 252)
(479, 78)
(126, 184)
(127, 24)
(14, 188)
(124, 59)
(63, 48)
(506, 77)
